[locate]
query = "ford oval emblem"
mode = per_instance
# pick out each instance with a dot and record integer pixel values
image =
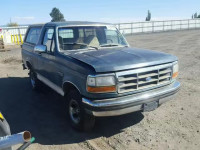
(148, 79)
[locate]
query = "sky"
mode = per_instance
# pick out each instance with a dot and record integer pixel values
(113, 11)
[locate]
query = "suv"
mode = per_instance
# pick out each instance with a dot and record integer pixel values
(93, 66)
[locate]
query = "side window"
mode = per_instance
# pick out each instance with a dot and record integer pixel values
(90, 32)
(49, 40)
(33, 35)
(81, 33)
(65, 36)
(112, 36)
(66, 33)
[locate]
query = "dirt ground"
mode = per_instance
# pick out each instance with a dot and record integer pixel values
(174, 125)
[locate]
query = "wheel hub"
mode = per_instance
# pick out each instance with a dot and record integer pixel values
(74, 111)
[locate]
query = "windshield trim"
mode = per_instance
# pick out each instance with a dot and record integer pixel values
(89, 48)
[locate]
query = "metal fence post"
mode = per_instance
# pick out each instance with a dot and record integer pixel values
(142, 27)
(171, 25)
(14, 39)
(119, 27)
(153, 26)
(17, 39)
(11, 39)
(131, 28)
(163, 25)
(21, 39)
(19, 33)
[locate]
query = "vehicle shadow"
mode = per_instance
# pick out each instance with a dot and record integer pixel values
(42, 113)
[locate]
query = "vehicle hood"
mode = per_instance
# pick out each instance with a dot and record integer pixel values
(116, 59)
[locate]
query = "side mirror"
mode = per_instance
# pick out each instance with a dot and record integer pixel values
(40, 49)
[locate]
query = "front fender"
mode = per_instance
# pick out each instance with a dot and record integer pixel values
(77, 80)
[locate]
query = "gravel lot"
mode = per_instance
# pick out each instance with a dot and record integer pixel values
(174, 125)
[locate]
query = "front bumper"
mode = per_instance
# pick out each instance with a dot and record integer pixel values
(127, 104)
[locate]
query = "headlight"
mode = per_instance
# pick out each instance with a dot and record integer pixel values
(175, 70)
(101, 84)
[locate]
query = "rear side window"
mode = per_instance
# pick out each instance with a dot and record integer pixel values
(33, 35)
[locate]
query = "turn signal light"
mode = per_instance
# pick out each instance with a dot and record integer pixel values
(175, 75)
(104, 89)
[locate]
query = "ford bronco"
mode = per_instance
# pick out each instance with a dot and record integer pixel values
(95, 69)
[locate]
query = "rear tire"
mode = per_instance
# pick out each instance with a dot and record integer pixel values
(79, 119)
(35, 83)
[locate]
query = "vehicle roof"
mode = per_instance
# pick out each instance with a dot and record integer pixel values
(73, 23)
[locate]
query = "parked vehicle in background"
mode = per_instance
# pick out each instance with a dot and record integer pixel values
(93, 66)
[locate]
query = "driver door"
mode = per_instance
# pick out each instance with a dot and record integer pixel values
(43, 58)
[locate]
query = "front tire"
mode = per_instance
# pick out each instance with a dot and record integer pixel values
(79, 119)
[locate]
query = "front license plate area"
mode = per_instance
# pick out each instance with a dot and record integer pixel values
(150, 106)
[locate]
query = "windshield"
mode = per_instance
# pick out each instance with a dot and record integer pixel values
(76, 38)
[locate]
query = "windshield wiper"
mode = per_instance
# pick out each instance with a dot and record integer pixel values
(80, 44)
(109, 45)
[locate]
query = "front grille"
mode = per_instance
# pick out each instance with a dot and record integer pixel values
(145, 78)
